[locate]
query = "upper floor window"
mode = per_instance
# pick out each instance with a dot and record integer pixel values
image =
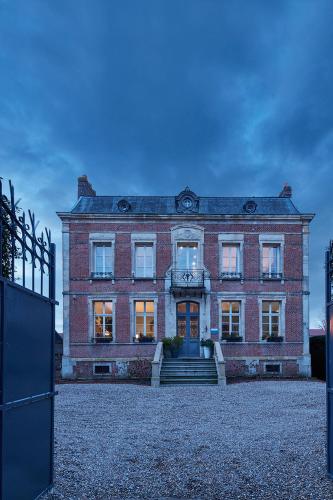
(102, 262)
(144, 265)
(103, 324)
(187, 255)
(231, 260)
(231, 312)
(271, 320)
(271, 260)
(144, 320)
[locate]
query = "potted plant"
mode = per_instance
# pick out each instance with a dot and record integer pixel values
(232, 338)
(167, 346)
(144, 338)
(208, 346)
(273, 338)
(177, 342)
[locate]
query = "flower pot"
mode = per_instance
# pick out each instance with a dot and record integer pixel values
(146, 339)
(231, 338)
(207, 352)
(274, 339)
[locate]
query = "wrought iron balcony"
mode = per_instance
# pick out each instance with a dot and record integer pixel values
(188, 279)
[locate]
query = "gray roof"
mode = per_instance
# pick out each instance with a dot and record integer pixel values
(166, 205)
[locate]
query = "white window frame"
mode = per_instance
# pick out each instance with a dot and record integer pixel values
(274, 240)
(233, 297)
(144, 315)
(231, 239)
(142, 239)
(187, 234)
(104, 315)
(141, 298)
(106, 238)
(91, 315)
(282, 322)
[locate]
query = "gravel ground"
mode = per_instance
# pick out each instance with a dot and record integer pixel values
(257, 440)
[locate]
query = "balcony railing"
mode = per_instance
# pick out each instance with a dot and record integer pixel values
(188, 278)
(271, 276)
(106, 275)
(230, 275)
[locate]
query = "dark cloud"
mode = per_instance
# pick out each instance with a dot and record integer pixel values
(231, 98)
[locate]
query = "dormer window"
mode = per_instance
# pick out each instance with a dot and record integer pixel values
(187, 201)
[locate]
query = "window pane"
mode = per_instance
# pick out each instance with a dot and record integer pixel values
(265, 306)
(235, 329)
(108, 307)
(149, 306)
(139, 307)
(276, 307)
(194, 308)
(225, 306)
(139, 325)
(235, 307)
(194, 327)
(98, 325)
(265, 329)
(181, 327)
(225, 328)
(98, 307)
(181, 308)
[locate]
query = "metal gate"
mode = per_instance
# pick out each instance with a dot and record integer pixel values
(27, 306)
(329, 356)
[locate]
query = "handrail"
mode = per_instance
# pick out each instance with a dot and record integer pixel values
(220, 364)
(156, 365)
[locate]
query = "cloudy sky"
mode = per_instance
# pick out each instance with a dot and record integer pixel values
(145, 96)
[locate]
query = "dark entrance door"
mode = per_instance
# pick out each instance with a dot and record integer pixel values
(188, 317)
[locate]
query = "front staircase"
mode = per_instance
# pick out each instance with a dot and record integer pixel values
(188, 371)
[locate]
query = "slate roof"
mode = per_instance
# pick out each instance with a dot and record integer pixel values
(166, 205)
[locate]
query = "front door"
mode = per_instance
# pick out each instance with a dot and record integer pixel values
(188, 317)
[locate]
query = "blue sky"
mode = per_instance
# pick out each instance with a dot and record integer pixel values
(230, 97)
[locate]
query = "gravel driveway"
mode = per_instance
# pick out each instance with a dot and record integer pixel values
(257, 440)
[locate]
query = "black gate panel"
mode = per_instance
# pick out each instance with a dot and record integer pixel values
(329, 357)
(27, 452)
(27, 303)
(27, 345)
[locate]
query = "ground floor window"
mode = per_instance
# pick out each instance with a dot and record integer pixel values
(271, 319)
(231, 312)
(103, 330)
(144, 321)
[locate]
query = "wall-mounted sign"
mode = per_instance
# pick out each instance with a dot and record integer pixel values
(214, 331)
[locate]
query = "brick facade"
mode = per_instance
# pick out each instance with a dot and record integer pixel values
(128, 358)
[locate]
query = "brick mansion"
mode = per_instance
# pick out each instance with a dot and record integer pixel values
(137, 269)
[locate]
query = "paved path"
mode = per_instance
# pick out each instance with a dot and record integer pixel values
(257, 440)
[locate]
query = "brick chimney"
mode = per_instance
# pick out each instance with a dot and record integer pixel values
(286, 192)
(84, 188)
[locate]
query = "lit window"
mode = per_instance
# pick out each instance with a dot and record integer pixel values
(102, 259)
(103, 331)
(271, 261)
(144, 320)
(231, 260)
(230, 319)
(271, 319)
(187, 255)
(144, 260)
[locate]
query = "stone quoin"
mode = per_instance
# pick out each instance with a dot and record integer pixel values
(140, 268)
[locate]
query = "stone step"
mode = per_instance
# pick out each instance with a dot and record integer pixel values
(188, 381)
